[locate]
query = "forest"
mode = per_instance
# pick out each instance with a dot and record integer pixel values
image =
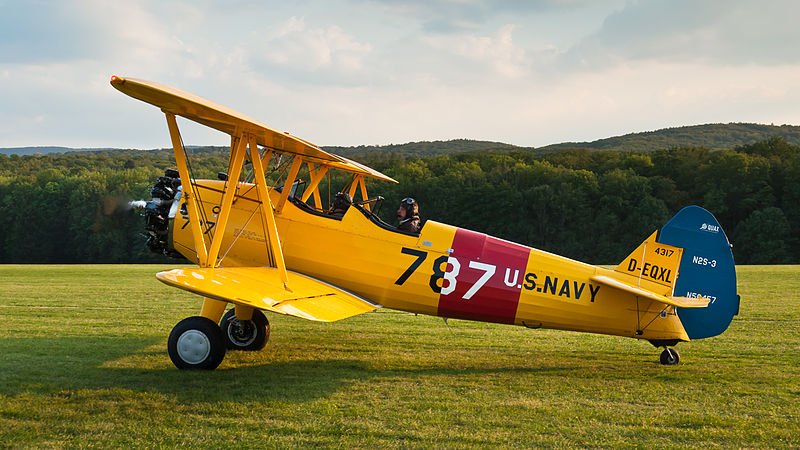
(592, 205)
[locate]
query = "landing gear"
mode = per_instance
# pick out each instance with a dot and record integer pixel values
(670, 357)
(196, 343)
(248, 335)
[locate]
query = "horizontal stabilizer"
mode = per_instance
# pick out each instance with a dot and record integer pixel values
(262, 288)
(680, 302)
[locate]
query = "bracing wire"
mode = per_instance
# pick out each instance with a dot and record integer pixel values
(283, 172)
(653, 319)
(196, 191)
(235, 238)
(250, 171)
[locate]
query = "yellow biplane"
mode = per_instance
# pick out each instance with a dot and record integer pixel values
(279, 249)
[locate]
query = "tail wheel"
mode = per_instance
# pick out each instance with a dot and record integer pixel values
(248, 335)
(670, 357)
(196, 343)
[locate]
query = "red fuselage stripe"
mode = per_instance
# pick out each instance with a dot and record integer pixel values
(496, 300)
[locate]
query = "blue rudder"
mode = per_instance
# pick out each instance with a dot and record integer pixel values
(706, 269)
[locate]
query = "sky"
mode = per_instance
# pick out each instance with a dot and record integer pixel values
(377, 72)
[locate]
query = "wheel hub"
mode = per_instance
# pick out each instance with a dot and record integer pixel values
(193, 346)
(242, 333)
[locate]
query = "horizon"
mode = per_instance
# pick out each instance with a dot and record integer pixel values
(169, 147)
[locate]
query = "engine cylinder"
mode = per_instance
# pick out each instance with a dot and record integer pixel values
(165, 193)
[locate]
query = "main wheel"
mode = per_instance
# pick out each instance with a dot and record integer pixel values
(670, 357)
(249, 335)
(196, 343)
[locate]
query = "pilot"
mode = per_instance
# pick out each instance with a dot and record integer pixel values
(341, 202)
(408, 215)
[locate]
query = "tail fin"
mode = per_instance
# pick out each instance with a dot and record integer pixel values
(706, 269)
(653, 265)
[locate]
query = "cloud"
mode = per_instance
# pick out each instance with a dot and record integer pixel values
(731, 32)
(43, 31)
(36, 31)
(297, 47)
(496, 52)
(355, 72)
(458, 16)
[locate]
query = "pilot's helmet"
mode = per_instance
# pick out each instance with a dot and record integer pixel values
(411, 207)
(342, 201)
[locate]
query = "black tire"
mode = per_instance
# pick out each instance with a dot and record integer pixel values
(247, 335)
(196, 343)
(670, 357)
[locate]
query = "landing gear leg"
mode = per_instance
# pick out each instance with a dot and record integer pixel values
(670, 357)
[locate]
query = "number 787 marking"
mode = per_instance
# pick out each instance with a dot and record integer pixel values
(448, 278)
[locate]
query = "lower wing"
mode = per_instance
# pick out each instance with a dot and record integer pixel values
(262, 288)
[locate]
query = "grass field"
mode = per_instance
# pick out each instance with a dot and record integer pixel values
(84, 363)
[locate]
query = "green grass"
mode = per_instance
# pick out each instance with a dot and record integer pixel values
(84, 364)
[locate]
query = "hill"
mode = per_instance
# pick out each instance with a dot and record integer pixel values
(22, 151)
(423, 148)
(714, 136)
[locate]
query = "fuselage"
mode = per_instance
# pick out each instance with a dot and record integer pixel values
(444, 270)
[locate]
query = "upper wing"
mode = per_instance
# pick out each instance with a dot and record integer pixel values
(222, 118)
(681, 302)
(262, 288)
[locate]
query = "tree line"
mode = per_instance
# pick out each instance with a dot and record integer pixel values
(590, 205)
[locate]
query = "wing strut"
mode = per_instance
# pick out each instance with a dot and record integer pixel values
(239, 146)
(358, 182)
(188, 195)
(266, 210)
(287, 186)
(235, 169)
(313, 184)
